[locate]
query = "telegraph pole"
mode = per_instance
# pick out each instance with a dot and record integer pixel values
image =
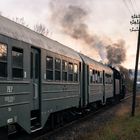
(135, 21)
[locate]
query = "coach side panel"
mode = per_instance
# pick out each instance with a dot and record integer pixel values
(60, 84)
(14, 83)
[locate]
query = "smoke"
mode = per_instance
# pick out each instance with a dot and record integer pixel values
(73, 24)
(71, 19)
(116, 53)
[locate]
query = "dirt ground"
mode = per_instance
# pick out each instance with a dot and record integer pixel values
(79, 130)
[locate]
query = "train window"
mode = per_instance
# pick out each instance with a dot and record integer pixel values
(90, 76)
(75, 72)
(70, 67)
(70, 75)
(49, 68)
(31, 64)
(3, 60)
(96, 76)
(64, 76)
(64, 69)
(108, 79)
(101, 79)
(57, 64)
(49, 75)
(93, 76)
(57, 69)
(17, 62)
(64, 65)
(49, 62)
(36, 65)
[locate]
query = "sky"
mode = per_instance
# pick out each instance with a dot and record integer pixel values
(107, 21)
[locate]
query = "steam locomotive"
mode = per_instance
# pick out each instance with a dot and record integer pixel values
(41, 79)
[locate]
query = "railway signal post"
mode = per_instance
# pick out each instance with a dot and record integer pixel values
(135, 21)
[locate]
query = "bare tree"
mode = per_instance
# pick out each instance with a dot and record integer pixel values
(41, 29)
(20, 21)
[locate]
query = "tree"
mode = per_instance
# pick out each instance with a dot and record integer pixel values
(20, 21)
(41, 29)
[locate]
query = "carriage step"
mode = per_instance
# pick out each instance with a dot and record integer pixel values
(103, 103)
(88, 109)
(11, 129)
(35, 128)
(33, 118)
(11, 133)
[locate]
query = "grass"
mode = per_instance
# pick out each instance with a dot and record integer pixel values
(121, 127)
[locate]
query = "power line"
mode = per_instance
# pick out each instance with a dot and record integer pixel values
(127, 7)
(131, 3)
(136, 5)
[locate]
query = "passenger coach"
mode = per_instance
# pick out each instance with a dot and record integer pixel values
(44, 81)
(97, 80)
(38, 76)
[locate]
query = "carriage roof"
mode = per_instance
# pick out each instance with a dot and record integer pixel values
(16, 31)
(96, 65)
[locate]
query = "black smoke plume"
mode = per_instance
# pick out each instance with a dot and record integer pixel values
(73, 24)
(116, 53)
(71, 20)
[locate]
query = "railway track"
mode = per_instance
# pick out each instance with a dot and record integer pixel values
(48, 135)
(126, 97)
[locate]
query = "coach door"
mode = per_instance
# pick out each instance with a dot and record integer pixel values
(35, 77)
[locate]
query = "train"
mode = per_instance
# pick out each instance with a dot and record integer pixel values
(41, 79)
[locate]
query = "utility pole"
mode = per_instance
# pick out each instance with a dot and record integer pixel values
(135, 21)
